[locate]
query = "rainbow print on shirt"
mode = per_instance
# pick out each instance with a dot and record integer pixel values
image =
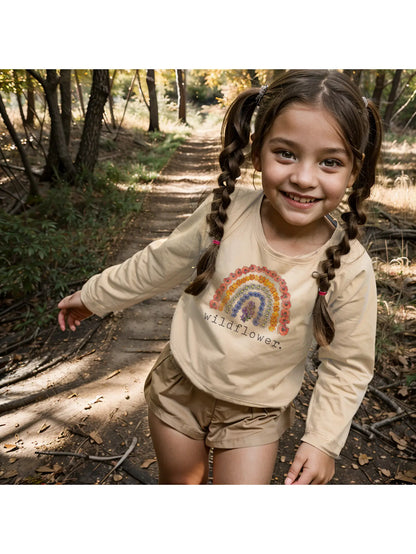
(255, 294)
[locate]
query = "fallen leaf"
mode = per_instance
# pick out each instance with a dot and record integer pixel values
(363, 459)
(354, 466)
(96, 437)
(148, 463)
(10, 447)
(407, 476)
(404, 391)
(43, 428)
(45, 469)
(403, 360)
(9, 474)
(12, 460)
(117, 477)
(397, 439)
(385, 472)
(73, 395)
(282, 458)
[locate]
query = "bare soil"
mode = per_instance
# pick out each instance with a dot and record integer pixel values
(91, 401)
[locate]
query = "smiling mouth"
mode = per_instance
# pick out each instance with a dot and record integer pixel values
(300, 199)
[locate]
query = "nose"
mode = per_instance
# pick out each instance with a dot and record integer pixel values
(304, 175)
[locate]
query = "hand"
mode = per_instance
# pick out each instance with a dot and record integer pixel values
(311, 466)
(72, 310)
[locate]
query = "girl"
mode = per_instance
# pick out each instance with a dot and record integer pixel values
(273, 271)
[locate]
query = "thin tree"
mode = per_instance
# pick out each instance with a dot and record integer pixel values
(31, 113)
(153, 106)
(34, 189)
(392, 99)
(378, 87)
(181, 87)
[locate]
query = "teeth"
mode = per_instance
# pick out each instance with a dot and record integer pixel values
(301, 200)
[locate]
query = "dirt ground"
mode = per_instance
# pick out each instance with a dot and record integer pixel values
(91, 402)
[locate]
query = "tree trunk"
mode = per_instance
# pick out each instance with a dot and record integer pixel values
(393, 97)
(30, 115)
(110, 99)
(153, 107)
(88, 148)
(79, 90)
(66, 108)
(379, 87)
(59, 159)
(254, 80)
(181, 86)
(34, 190)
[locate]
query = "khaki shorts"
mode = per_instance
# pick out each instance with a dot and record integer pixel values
(172, 397)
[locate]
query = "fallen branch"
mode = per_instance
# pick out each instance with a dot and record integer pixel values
(124, 457)
(128, 467)
(46, 364)
(79, 455)
(386, 399)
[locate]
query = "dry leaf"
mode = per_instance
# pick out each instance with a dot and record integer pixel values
(73, 395)
(363, 459)
(385, 472)
(96, 437)
(403, 360)
(282, 458)
(407, 476)
(404, 391)
(45, 469)
(9, 474)
(10, 447)
(398, 439)
(44, 427)
(148, 463)
(117, 477)
(12, 460)
(354, 466)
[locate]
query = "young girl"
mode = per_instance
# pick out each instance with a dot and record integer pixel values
(273, 271)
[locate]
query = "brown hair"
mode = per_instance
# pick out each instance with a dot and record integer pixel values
(360, 125)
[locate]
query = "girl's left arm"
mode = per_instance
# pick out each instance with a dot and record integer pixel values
(346, 367)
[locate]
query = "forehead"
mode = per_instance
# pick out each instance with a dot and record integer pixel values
(307, 123)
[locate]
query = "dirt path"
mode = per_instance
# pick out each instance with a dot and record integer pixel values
(93, 402)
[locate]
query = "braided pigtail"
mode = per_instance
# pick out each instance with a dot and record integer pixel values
(365, 163)
(236, 132)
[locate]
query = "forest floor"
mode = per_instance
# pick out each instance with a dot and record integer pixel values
(82, 392)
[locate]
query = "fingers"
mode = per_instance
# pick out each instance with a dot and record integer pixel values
(294, 469)
(311, 466)
(72, 311)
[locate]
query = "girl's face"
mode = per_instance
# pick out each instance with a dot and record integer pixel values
(306, 166)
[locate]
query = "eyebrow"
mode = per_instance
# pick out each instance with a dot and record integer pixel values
(293, 144)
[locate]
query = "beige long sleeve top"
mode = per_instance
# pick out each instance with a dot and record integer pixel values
(246, 337)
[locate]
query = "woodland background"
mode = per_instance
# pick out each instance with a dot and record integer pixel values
(79, 150)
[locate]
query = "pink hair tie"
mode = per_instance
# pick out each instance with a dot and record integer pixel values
(217, 242)
(321, 292)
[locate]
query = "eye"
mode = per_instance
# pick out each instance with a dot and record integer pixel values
(285, 155)
(332, 163)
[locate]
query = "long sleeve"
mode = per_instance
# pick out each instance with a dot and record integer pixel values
(347, 365)
(162, 265)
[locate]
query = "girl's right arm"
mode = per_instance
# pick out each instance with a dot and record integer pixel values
(72, 311)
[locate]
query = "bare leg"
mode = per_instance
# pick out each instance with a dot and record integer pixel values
(245, 466)
(182, 460)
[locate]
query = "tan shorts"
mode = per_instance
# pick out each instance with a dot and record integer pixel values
(172, 397)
